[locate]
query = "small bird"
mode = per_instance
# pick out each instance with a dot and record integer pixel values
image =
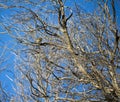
(38, 40)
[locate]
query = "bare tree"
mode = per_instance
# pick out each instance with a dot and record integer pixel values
(65, 54)
(3, 67)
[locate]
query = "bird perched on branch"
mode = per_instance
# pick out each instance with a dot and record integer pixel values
(38, 40)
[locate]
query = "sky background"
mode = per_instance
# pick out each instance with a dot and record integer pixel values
(6, 44)
(7, 76)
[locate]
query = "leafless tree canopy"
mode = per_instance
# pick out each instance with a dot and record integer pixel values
(63, 53)
(4, 63)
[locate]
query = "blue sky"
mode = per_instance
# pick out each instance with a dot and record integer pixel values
(7, 76)
(7, 43)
